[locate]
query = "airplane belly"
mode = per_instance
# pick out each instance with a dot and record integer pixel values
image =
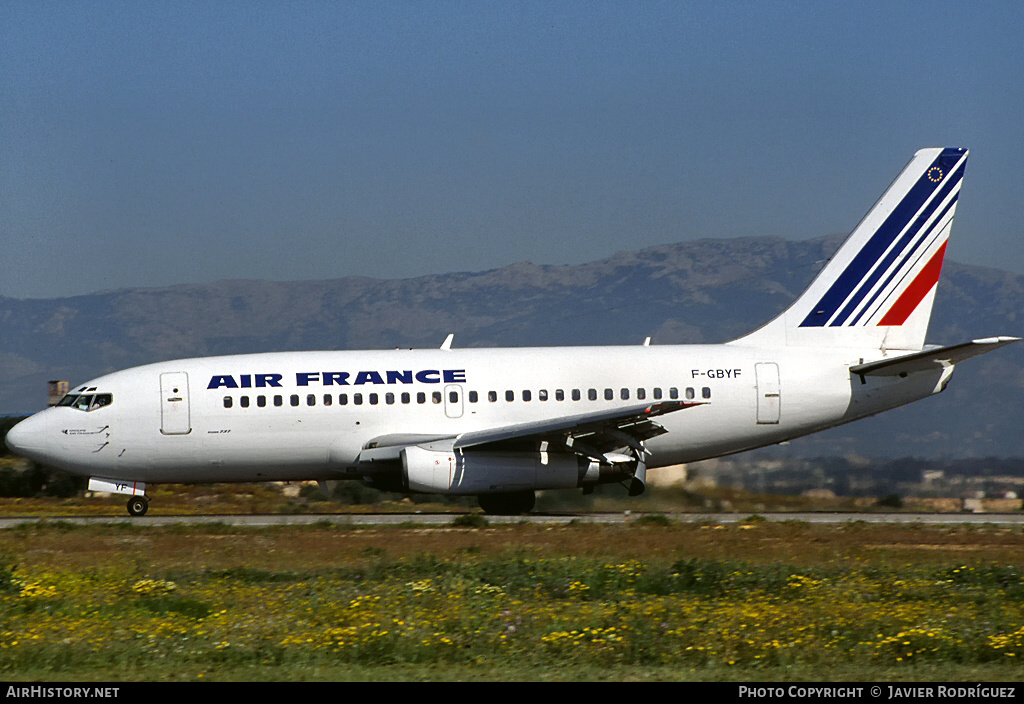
(262, 453)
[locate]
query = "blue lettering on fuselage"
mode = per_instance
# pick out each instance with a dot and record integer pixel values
(368, 378)
(227, 381)
(407, 376)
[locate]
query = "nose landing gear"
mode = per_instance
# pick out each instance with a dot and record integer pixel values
(138, 505)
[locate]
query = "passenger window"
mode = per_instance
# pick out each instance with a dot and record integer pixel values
(592, 394)
(294, 399)
(357, 399)
(453, 396)
(492, 396)
(609, 394)
(435, 397)
(244, 402)
(406, 397)
(421, 397)
(261, 401)
(278, 401)
(575, 394)
(227, 402)
(389, 399)
(673, 393)
(310, 399)
(641, 394)
(510, 395)
(472, 397)
(527, 395)
(373, 399)
(689, 393)
(343, 399)
(657, 392)
(624, 394)
(542, 395)
(705, 392)
(559, 395)
(328, 399)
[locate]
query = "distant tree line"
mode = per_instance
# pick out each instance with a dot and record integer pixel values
(859, 477)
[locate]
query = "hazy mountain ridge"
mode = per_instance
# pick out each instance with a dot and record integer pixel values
(704, 291)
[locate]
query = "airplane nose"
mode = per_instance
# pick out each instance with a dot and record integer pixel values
(23, 437)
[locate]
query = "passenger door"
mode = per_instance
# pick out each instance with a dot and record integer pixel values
(175, 418)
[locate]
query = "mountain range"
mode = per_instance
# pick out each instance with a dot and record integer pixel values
(689, 292)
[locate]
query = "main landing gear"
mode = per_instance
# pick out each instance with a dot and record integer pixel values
(138, 505)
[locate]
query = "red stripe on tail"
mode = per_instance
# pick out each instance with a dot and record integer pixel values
(916, 291)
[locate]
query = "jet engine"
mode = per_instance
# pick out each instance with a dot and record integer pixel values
(466, 472)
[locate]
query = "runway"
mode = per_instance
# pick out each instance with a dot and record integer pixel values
(446, 519)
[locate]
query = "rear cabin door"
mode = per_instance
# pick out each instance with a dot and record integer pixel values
(175, 418)
(768, 392)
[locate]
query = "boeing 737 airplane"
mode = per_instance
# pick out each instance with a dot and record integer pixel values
(503, 423)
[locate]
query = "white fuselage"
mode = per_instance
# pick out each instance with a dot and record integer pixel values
(307, 415)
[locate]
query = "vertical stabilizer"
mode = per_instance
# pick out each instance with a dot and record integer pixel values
(878, 288)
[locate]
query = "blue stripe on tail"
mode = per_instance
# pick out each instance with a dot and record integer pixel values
(935, 178)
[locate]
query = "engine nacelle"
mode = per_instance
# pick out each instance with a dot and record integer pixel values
(462, 472)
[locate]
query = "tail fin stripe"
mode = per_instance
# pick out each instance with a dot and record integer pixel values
(953, 181)
(822, 313)
(918, 195)
(938, 225)
(878, 290)
(916, 291)
(912, 238)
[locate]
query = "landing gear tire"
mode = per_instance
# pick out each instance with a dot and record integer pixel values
(138, 505)
(511, 504)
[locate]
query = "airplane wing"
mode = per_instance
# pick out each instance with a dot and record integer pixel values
(588, 434)
(930, 359)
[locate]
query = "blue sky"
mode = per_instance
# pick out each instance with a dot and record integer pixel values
(148, 144)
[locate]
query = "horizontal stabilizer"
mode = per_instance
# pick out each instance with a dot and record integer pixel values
(931, 359)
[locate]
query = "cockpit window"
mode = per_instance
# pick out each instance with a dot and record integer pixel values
(87, 402)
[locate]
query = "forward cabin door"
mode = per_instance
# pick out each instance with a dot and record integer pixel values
(175, 418)
(768, 392)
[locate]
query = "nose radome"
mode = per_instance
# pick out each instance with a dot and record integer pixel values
(23, 437)
(15, 439)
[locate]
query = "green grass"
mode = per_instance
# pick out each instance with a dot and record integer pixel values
(646, 602)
